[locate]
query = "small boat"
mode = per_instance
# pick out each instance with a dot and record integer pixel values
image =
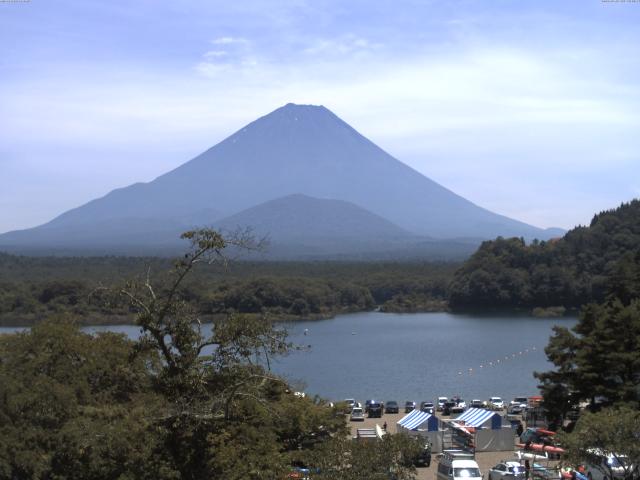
(539, 447)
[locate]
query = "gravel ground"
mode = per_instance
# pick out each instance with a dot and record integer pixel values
(485, 460)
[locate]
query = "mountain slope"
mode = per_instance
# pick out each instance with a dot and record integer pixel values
(295, 149)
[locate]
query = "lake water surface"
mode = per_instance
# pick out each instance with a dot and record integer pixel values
(417, 356)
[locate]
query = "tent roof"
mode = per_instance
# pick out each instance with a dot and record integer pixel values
(414, 419)
(476, 417)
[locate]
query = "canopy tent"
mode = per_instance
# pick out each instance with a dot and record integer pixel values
(417, 420)
(425, 425)
(480, 418)
(481, 430)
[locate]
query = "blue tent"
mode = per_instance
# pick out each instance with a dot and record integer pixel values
(479, 417)
(417, 420)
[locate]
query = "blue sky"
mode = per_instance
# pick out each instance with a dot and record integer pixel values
(528, 108)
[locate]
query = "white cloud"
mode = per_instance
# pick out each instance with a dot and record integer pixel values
(229, 41)
(216, 54)
(349, 44)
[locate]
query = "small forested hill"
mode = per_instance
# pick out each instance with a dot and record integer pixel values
(586, 265)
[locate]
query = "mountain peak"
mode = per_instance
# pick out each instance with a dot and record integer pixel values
(300, 111)
(302, 106)
(296, 149)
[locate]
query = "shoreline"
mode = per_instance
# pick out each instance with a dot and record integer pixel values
(96, 320)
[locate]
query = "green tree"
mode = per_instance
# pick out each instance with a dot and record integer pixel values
(77, 406)
(610, 431)
(599, 357)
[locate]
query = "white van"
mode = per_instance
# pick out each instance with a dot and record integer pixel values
(458, 465)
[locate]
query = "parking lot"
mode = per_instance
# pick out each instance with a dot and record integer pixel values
(485, 460)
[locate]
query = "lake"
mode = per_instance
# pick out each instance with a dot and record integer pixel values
(417, 356)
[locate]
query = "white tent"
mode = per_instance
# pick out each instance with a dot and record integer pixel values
(483, 430)
(480, 418)
(425, 425)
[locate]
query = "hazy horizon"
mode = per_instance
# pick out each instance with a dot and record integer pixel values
(528, 110)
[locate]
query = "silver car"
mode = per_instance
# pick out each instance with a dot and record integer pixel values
(506, 471)
(496, 403)
(357, 415)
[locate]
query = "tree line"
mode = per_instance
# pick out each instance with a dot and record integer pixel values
(33, 288)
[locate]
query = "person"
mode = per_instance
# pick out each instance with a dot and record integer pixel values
(519, 429)
(384, 426)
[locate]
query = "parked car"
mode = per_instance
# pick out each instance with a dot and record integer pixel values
(366, 405)
(391, 407)
(458, 465)
(350, 403)
(514, 409)
(428, 407)
(460, 405)
(496, 403)
(523, 401)
(409, 406)
(606, 466)
(475, 403)
(375, 409)
(506, 471)
(440, 403)
(447, 408)
(357, 415)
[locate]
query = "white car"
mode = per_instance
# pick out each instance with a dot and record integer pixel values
(440, 403)
(357, 414)
(506, 471)
(496, 403)
(460, 405)
(457, 465)
(522, 401)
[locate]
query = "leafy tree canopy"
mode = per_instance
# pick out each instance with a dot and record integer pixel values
(586, 265)
(183, 402)
(613, 431)
(599, 359)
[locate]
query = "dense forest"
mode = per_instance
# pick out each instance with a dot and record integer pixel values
(33, 288)
(586, 265)
(80, 406)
